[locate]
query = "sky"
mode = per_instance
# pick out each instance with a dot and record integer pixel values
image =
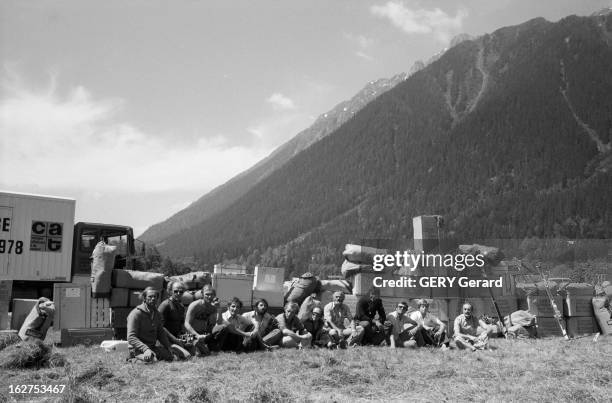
(138, 108)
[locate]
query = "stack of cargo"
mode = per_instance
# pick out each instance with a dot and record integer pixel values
(124, 296)
(193, 282)
(358, 269)
(578, 309)
(533, 297)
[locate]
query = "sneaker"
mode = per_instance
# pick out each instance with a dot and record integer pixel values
(272, 348)
(443, 347)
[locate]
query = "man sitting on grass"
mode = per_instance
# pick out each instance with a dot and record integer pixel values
(337, 314)
(203, 320)
(399, 324)
(294, 334)
(145, 330)
(315, 325)
(467, 332)
(237, 336)
(367, 308)
(267, 334)
(433, 330)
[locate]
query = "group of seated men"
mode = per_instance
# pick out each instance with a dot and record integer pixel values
(172, 332)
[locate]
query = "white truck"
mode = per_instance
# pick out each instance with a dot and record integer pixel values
(40, 245)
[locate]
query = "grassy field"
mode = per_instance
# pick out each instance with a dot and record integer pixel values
(542, 370)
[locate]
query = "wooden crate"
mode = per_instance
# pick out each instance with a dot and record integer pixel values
(578, 305)
(581, 325)
(539, 305)
(548, 326)
(99, 313)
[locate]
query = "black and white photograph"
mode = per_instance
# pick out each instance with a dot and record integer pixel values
(305, 201)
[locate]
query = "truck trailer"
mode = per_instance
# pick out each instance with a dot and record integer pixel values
(41, 246)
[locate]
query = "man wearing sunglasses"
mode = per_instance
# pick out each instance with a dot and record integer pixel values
(316, 326)
(401, 326)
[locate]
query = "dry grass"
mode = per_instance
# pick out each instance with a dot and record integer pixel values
(542, 370)
(35, 354)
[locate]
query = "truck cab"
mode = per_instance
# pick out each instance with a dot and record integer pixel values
(87, 235)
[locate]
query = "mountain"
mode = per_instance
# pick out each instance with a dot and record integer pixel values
(508, 135)
(224, 195)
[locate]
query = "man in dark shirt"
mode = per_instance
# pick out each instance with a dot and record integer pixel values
(294, 334)
(315, 325)
(144, 330)
(367, 308)
(173, 311)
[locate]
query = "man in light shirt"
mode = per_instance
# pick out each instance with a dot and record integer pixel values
(236, 325)
(469, 332)
(337, 314)
(399, 325)
(432, 329)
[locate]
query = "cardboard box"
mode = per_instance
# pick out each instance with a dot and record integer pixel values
(120, 297)
(72, 305)
(268, 278)
(233, 285)
(87, 337)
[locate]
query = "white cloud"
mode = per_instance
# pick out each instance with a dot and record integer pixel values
(77, 141)
(280, 102)
(361, 40)
(420, 20)
(364, 56)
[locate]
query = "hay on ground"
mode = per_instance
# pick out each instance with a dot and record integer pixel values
(29, 355)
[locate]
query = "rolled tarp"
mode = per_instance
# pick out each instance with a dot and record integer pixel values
(103, 261)
(302, 288)
(361, 254)
(38, 321)
(137, 279)
(349, 269)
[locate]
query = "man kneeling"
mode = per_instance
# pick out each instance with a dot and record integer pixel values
(145, 329)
